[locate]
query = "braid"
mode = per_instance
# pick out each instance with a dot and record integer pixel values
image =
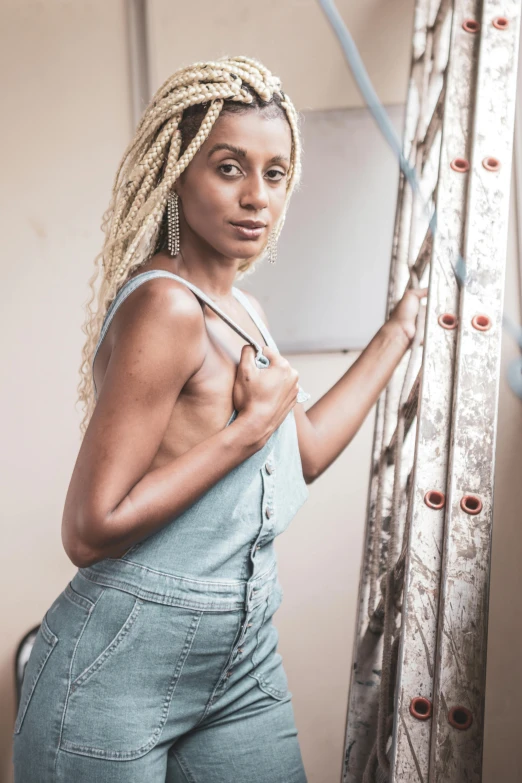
(173, 127)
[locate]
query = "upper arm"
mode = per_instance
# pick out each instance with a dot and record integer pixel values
(158, 343)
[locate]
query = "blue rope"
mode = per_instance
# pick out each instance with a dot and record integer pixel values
(380, 116)
(514, 371)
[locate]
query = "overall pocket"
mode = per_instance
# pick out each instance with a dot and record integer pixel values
(268, 664)
(61, 628)
(123, 675)
(109, 627)
(44, 643)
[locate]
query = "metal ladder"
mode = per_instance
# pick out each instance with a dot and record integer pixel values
(416, 704)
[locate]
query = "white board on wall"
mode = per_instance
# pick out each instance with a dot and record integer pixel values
(327, 291)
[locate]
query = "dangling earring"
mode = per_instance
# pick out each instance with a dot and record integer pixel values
(173, 220)
(272, 248)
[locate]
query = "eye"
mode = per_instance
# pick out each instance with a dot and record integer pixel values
(279, 175)
(226, 169)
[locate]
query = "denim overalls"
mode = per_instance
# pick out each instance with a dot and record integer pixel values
(161, 665)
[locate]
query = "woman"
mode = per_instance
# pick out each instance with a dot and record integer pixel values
(158, 661)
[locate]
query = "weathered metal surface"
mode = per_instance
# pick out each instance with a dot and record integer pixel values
(367, 657)
(410, 412)
(417, 653)
(461, 664)
(441, 124)
(366, 675)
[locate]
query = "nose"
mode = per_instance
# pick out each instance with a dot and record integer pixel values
(255, 193)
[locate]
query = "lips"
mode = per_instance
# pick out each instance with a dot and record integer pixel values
(249, 229)
(249, 223)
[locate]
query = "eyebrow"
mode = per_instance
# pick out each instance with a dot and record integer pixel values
(242, 153)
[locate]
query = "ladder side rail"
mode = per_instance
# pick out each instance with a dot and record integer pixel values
(363, 697)
(456, 753)
(357, 709)
(362, 711)
(415, 672)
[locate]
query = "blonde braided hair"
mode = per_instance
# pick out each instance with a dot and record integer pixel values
(134, 223)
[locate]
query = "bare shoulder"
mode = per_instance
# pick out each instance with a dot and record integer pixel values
(162, 315)
(165, 300)
(174, 297)
(256, 304)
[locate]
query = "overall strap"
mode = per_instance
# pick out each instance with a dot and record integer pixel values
(254, 315)
(302, 395)
(134, 282)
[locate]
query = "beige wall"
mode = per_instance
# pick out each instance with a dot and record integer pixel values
(293, 39)
(65, 122)
(66, 95)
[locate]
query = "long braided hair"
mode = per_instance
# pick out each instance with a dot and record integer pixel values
(173, 127)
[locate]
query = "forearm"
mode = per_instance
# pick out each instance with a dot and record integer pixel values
(164, 493)
(338, 415)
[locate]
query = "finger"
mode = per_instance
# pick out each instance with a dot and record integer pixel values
(419, 292)
(248, 355)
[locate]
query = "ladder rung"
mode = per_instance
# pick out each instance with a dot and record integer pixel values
(442, 10)
(433, 128)
(409, 413)
(424, 256)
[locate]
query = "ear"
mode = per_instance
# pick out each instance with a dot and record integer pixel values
(180, 183)
(178, 187)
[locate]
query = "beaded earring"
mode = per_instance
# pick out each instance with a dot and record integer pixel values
(272, 248)
(173, 221)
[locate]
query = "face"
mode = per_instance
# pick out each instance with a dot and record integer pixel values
(233, 191)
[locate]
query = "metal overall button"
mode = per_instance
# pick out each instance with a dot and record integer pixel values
(243, 634)
(261, 360)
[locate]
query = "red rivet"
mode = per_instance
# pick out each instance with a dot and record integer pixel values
(434, 499)
(460, 164)
(471, 504)
(447, 321)
(471, 25)
(491, 164)
(460, 718)
(421, 708)
(481, 322)
(500, 22)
